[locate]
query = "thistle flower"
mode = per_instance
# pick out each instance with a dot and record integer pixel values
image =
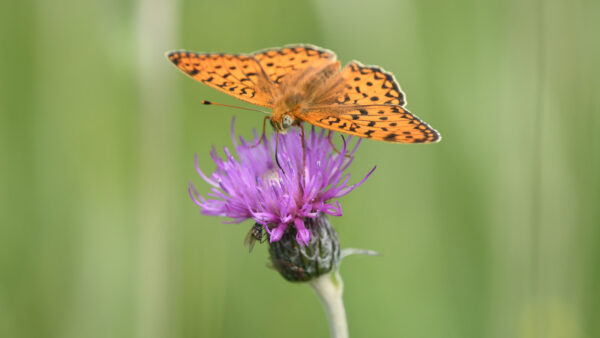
(254, 187)
(291, 198)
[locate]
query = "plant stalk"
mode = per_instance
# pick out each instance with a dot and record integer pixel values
(329, 289)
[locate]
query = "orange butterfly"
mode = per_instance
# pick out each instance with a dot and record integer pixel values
(306, 83)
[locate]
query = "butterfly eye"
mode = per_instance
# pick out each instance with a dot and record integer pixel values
(287, 121)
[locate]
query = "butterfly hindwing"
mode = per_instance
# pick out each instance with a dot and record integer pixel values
(237, 75)
(391, 123)
(368, 85)
(279, 63)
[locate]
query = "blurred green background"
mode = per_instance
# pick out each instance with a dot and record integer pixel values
(493, 232)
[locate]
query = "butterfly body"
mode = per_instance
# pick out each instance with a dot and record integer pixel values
(300, 93)
(307, 84)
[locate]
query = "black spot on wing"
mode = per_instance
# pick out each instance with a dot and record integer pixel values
(390, 137)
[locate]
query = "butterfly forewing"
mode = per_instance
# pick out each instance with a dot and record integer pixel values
(237, 75)
(389, 123)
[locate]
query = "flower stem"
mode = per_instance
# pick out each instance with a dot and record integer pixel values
(329, 289)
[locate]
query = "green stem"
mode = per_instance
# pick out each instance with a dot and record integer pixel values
(329, 289)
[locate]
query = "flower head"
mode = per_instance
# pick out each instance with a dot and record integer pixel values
(253, 186)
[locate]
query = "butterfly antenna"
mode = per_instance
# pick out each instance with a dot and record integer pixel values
(210, 103)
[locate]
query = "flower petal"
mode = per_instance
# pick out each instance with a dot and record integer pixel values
(277, 233)
(303, 234)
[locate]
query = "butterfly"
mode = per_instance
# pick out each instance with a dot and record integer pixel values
(305, 83)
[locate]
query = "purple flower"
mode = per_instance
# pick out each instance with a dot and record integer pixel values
(254, 186)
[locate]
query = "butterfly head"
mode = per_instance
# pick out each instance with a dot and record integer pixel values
(282, 122)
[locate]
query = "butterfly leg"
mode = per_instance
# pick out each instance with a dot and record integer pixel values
(276, 148)
(331, 142)
(303, 147)
(263, 136)
(333, 145)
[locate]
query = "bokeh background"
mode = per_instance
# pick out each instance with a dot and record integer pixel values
(493, 232)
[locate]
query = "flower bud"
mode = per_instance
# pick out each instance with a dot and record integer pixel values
(300, 263)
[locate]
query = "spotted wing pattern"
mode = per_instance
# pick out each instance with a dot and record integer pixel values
(390, 123)
(281, 62)
(368, 85)
(237, 75)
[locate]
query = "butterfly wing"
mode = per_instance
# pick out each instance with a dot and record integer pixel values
(281, 63)
(370, 105)
(369, 85)
(390, 123)
(240, 76)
